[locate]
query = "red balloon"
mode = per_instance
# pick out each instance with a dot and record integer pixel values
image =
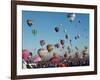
(55, 59)
(61, 65)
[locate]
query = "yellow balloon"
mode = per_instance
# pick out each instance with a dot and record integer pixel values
(50, 47)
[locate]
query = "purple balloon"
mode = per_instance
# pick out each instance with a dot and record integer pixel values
(57, 45)
(42, 42)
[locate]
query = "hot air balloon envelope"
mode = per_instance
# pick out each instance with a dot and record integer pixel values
(42, 42)
(62, 42)
(55, 59)
(66, 36)
(25, 54)
(65, 30)
(42, 52)
(57, 45)
(76, 47)
(34, 31)
(57, 29)
(37, 59)
(71, 16)
(78, 35)
(29, 22)
(50, 47)
(75, 37)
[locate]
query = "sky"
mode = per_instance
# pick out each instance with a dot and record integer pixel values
(45, 23)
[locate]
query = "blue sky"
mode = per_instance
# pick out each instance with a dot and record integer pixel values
(45, 23)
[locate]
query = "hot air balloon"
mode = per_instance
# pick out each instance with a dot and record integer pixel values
(65, 55)
(34, 32)
(55, 59)
(77, 55)
(75, 37)
(50, 47)
(65, 30)
(79, 21)
(66, 36)
(57, 29)
(78, 36)
(25, 54)
(42, 42)
(84, 54)
(60, 24)
(42, 52)
(71, 16)
(86, 47)
(37, 58)
(29, 22)
(76, 47)
(62, 65)
(62, 42)
(70, 42)
(57, 45)
(69, 49)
